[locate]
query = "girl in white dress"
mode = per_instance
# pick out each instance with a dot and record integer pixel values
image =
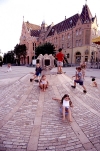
(43, 83)
(66, 103)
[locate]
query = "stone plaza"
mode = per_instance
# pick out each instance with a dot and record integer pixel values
(31, 121)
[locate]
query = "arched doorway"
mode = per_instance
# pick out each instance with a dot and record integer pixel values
(78, 58)
(27, 59)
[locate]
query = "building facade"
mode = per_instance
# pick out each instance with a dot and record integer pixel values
(74, 35)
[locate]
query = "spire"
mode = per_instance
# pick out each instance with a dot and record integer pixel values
(23, 18)
(85, 2)
(86, 15)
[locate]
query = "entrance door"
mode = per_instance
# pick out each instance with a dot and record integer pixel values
(78, 58)
(28, 60)
(86, 58)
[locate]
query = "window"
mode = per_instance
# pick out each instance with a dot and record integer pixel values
(80, 31)
(34, 46)
(68, 45)
(80, 42)
(62, 46)
(62, 37)
(76, 43)
(76, 32)
(68, 36)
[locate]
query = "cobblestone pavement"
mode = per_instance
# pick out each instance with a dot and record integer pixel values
(31, 121)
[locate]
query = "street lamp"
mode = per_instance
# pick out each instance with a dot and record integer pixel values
(71, 22)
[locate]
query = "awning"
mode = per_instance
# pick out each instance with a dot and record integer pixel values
(96, 40)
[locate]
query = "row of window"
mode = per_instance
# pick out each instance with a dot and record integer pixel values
(78, 32)
(77, 44)
(34, 46)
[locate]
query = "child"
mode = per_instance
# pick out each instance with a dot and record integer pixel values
(76, 72)
(83, 70)
(94, 83)
(79, 80)
(38, 71)
(43, 83)
(66, 103)
(9, 67)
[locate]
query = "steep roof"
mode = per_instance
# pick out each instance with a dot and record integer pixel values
(64, 25)
(35, 33)
(32, 26)
(86, 14)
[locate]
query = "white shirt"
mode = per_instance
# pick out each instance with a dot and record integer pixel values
(43, 82)
(66, 103)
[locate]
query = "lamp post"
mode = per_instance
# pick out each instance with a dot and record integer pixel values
(71, 22)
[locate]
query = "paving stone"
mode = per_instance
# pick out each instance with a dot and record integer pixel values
(53, 133)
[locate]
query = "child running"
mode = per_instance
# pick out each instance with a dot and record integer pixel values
(38, 71)
(76, 72)
(66, 103)
(43, 83)
(79, 80)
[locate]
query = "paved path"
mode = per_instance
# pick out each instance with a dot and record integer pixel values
(30, 120)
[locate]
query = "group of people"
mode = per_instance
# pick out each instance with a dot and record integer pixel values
(43, 82)
(80, 75)
(65, 102)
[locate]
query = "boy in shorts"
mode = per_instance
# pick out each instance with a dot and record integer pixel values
(79, 80)
(60, 58)
(38, 71)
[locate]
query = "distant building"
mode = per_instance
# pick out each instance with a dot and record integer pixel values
(73, 34)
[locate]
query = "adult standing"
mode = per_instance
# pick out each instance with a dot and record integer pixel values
(60, 58)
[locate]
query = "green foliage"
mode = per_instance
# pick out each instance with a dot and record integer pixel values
(46, 48)
(8, 57)
(20, 50)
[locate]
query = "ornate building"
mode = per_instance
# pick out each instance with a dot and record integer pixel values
(73, 34)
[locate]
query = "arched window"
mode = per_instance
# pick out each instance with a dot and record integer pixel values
(78, 53)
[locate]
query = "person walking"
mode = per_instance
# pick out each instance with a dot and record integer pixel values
(60, 58)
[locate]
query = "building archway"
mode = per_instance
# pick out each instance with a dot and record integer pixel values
(78, 57)
(27, 60)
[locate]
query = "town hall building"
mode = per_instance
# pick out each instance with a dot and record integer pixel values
(74, 35)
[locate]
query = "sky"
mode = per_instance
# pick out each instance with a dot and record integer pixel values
(36, 11)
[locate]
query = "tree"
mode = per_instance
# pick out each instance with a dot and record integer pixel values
(9, 57)
(46, 48)
(20, 50)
